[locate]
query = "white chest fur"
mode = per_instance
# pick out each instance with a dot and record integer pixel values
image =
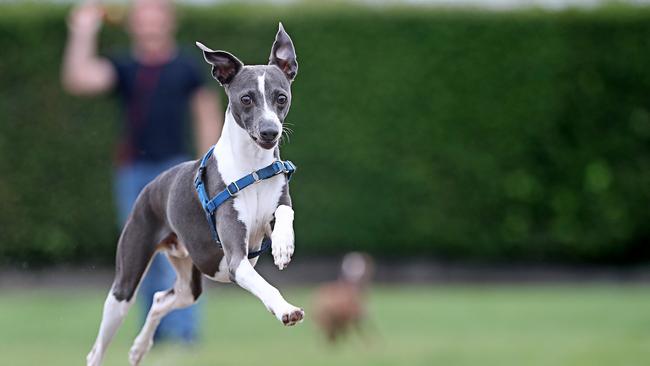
(237, 155)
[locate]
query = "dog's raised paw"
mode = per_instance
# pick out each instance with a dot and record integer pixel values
(282, 246)
(294, 317)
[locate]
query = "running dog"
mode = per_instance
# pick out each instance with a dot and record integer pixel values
(168, 215)
(341, 305)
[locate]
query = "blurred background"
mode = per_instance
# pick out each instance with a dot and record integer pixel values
(492, 156)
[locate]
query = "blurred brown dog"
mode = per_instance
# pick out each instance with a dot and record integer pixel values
(340, 305)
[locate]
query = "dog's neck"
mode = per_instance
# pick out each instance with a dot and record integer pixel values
(236, 146)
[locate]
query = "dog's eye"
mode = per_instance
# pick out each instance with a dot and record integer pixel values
(282, 99)
(246, 100)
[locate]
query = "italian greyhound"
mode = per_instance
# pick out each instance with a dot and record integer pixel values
(169, 217)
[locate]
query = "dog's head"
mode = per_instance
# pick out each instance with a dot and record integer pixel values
(357, 268)
(259, 95)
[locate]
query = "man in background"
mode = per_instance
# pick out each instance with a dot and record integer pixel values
(157, 86)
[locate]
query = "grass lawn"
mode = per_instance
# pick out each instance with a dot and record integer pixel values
(436, 325)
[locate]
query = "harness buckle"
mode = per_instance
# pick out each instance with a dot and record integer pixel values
(198, 179)
(232, 193)
(278, 167)
(256, 177)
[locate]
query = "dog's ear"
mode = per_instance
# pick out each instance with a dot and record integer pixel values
(224, 65)
(283, 55)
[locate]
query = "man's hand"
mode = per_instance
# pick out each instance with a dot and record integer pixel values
(84, 72)
(86, 18)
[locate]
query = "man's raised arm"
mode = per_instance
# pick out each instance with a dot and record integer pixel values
(84, 72)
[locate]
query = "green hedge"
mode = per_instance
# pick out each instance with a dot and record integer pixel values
(490, 136)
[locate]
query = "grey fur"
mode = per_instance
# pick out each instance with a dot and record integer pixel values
(245, 84)
(168, 216)
(168, 212)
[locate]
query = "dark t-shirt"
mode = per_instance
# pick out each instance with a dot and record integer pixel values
(155, 102)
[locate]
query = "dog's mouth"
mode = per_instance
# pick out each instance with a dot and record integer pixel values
(268, 145)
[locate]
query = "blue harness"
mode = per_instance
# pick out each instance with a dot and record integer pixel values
(210, 205)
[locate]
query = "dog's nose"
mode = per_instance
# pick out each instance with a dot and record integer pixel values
(269, 134)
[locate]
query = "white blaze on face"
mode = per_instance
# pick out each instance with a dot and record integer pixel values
(268, 113)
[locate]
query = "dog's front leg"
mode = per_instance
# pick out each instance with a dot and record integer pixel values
(243, 274)
(246, 277)
(282, 237)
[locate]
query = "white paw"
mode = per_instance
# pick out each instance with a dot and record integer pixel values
(93, 358)
(138, 350)
(282, 246)
(289, 315)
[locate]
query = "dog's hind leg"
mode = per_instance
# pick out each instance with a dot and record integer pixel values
(185, 292)
(113, 315)
(116, 306)
(135, 249)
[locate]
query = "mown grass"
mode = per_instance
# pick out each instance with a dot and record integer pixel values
(433, 325)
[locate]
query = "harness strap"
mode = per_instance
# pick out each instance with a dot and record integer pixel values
(210, 205)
